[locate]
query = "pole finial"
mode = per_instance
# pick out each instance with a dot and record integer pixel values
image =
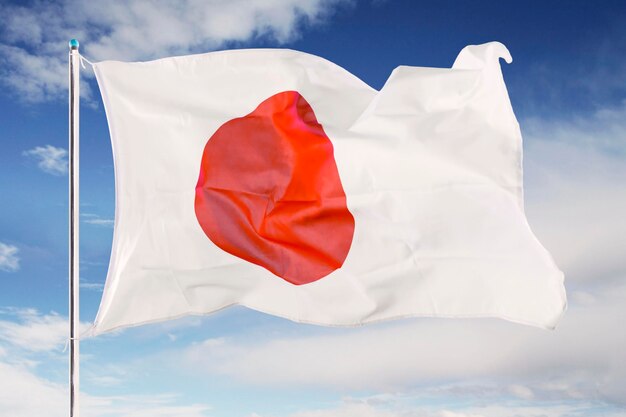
(73, 44)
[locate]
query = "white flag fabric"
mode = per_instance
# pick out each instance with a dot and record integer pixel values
(277, 180)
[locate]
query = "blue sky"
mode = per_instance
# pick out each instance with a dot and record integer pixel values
(567, 83)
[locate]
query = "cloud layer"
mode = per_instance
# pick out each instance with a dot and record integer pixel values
(33, 40)
(96, 220)
(30, 341)
(50, 159)
(575, 171)
(27, 395)
(372, 408)
(9, 261)
(583, 359)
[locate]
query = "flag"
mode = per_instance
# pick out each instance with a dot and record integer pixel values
(279, 181)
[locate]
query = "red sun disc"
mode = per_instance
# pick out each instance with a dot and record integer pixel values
(269, 191)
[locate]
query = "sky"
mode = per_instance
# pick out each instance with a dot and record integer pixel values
(567, 84)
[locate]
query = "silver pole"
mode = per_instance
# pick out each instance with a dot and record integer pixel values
(74, 221)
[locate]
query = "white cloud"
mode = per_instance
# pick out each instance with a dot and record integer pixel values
(348, 410)
(34, 77)
(583, 358)
(447, 413)
(416, 407)
(31, 331)
(34, 40)
(9, 261)
(24, 394)
(51, 159)
(101, 222)
(96, 220)
(91, 286)
(521, 391)
(29, 334)
(575, 174)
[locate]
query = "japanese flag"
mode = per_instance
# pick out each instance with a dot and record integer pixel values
(277, 180)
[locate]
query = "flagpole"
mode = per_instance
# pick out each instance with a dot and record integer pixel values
(74, 68)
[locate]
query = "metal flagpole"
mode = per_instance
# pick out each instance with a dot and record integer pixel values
(73, 223)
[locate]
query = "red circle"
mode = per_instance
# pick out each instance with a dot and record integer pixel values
(269, 191)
